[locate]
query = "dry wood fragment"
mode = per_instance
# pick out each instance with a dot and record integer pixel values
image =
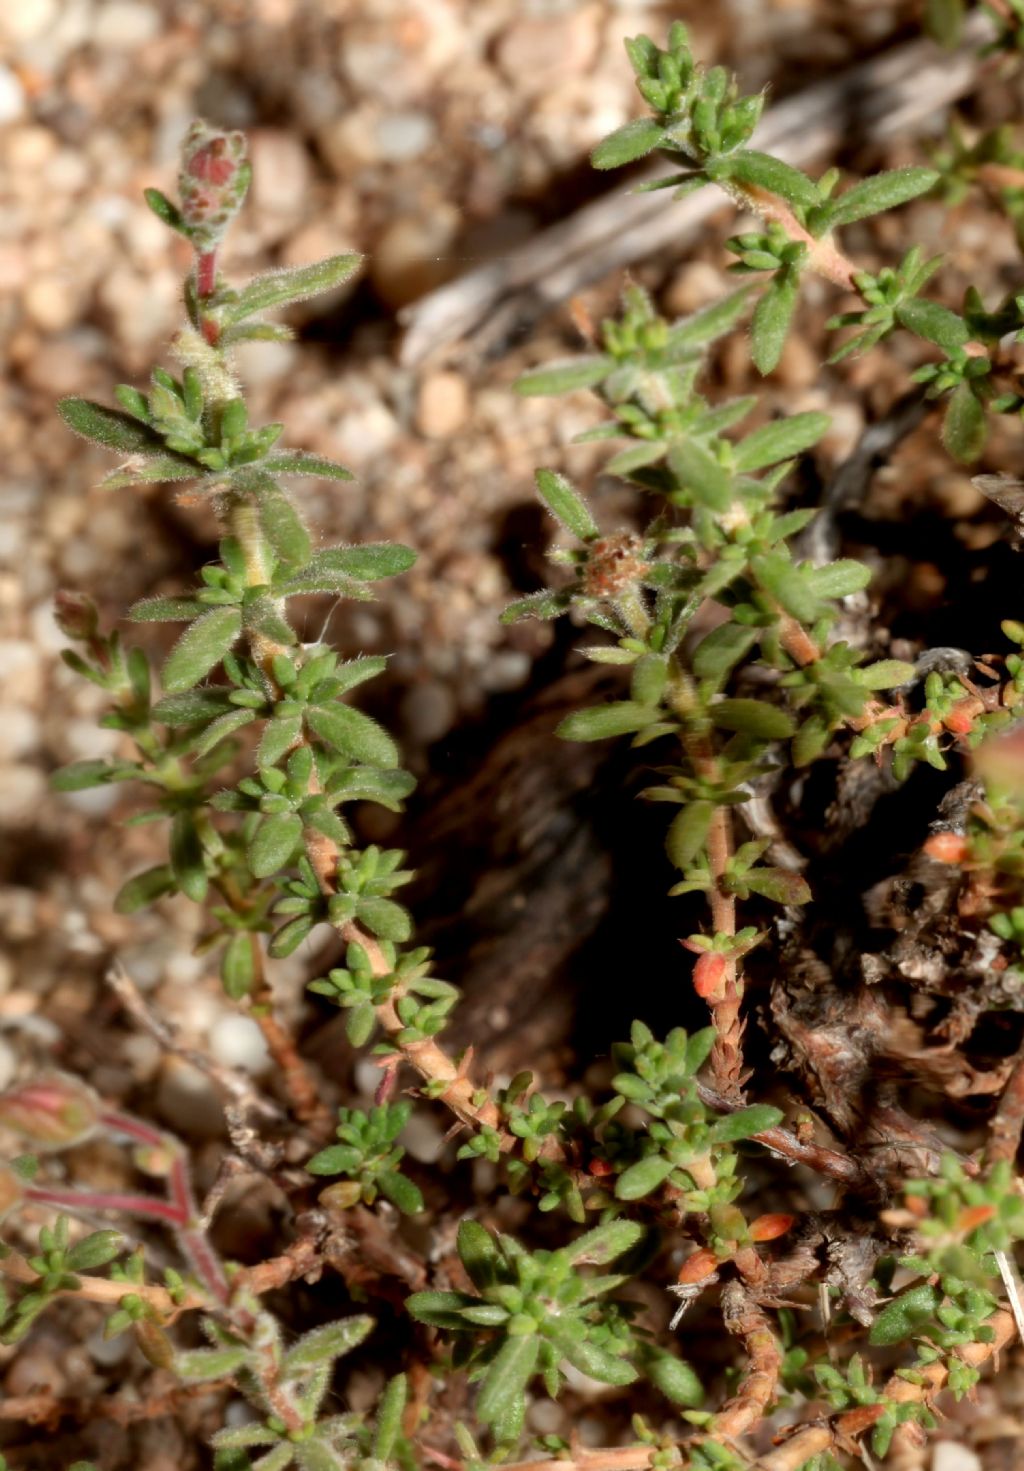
(894, 94)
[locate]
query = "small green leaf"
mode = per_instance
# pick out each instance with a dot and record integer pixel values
(222, 727)
(600, 722)
(95, 1250)
(745, 1123)
(367, 563)
(899, 1318)
(77, 776)
(108, 427)
(934, 323)
(676, 1379)
(880, 192)
(279, 288)
(643, 1177)
(566, 505)
(700, 473)
(780, 441)
(189, 708)
(944, 21)
(839, 579)
(202, 646)
(688, 833)
(633, 140)
(753, 717)
(283, 527)
(386, 919)
(151, 471)
(164, 610)
(509, 1373)
(591, 1359)
(963, 429)
(144, 889)
(604, 1243)
(390, 1408)
(164, 210)
(290, 936)
(402, 1193)
(771, 320)
(359, 1023)
(564, 377)
(478, 1252)
(300, 462)
(201, 1364)
(353, 734)
(780, 885)
(439, 1309)
(274, 842)
(885, 674)
(765, 172)
(238, 966)
(723, 648)
(187, 862)
(810, 740)
(325, 1344)
(711, 322)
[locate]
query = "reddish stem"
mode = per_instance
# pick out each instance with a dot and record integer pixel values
(206, 273)
(100, 1200)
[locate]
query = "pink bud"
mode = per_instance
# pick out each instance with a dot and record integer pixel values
(212, 183)
(76, 615)
(52, 1111)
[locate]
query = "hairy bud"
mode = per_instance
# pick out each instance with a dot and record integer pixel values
(76, 615)
(52, 1112)
(213, 181)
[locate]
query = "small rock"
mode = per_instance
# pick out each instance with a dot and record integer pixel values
(51, 303)
(12, 97)
(22, 788)
(538, 50)
(236, 1041)
(429, 711)
(187, 1099)
(19, 731)
(423, 1138)
(122, 25)
(402, 136)
(443, 405)
(27, 19)
(34, 1371)
(949, 1455)
(280, 173)
(412, 255)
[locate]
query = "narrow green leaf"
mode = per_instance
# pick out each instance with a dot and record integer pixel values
(165, 211)
(238, 966)
(359, 1024)
(676, 1380)
(723, 648)
(296, 283)
(933, 322)
(901, 1317)
(164, 610)
(636, 457)
(745, 1123)
(439, 1309)
(566, 505)
(201, 1364)
(564, 377)
(711, 322)
(688, 833)
(780, 441)
(780, 885)
(963, 429)
(390, 1408)
(221, 728)
(152, 471)
(386, 919)
(604, 1243)
(642, 1178)
(634, 140)
(78, 776)
(274, 842)
(94, 1250)
(403, 1194)
(765, 172)
(544, 604)
(839, 579)
(699, 472)
(201, 647)
(509, 1373)
(144, 889)
(885, 674)
(810, 740)
(478, 1252)
(353, 734)
(771, 320)
(283, 527)
(324, 1345)
(880, 192)
(108, 427)
(190, 707)
(300, 462)
(367, 563)
(753, 717)
(187, 863)
(278, 736)
(596, 1362)
(600, 722)
(290, 936)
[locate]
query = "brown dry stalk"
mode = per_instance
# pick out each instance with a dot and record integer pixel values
(1004, 1136)
(745, 1319)
(105, 1290)
(50, 1410)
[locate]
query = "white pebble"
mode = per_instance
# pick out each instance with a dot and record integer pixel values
(404, 135)
(236, 1041)
(12, 97)
(8, 1063)
(950, 1455)
(123, 25)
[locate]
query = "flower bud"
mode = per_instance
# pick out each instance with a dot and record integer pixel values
(213, 181)
(52, 1111)
(76, 615)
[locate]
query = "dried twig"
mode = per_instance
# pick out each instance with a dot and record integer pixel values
(887, 96)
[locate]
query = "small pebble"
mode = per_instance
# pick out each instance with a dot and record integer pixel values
(122, 25)
(236, 1041)
(443, 405)
(950, 1455)
(401, 136)
(12, 97)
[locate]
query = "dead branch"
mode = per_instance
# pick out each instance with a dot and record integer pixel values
(895, 93)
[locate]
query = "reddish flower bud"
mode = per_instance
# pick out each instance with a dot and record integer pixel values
(698, 1266)
(708, 974)
(946, 847)
(52, 1111)
(213, 181)
(974, 1216)
(76, 615)
(767, 1228)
